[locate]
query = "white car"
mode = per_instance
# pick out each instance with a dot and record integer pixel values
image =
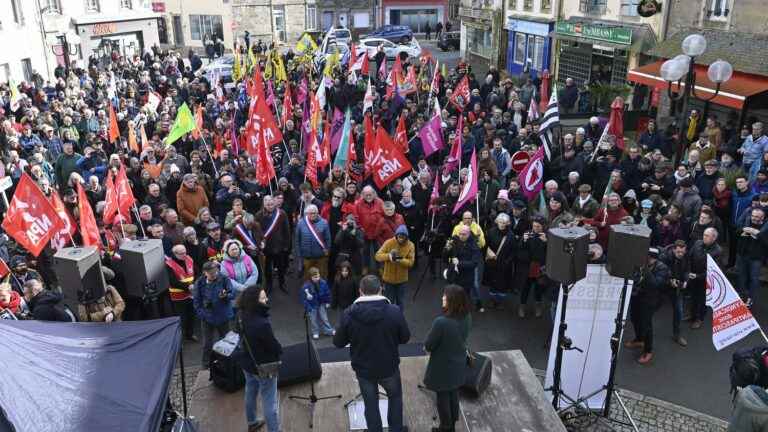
(391, 49)
(328, 49)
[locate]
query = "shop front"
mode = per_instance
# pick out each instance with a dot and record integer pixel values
(529, 44)
(599, 52)
(128, 36)
(416, 15)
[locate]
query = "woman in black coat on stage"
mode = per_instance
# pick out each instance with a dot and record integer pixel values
(499, 259)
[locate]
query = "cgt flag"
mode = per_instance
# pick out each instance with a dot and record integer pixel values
(531, 178)
(731, 319)
(31, 219)
(389, 162)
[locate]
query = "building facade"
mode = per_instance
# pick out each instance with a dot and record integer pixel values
(481, 30)
(359, 16)
(528, 24)
(279, 21)
(188, 22)
(87, 27)
(416, 14)
(598, 41)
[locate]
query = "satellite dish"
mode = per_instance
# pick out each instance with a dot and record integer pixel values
(648, 8)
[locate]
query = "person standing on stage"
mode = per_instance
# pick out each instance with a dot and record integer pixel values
(446, 344)
(373, 328)
(654, 276)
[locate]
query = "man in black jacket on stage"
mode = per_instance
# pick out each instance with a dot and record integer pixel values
(646, 293)
(373, 328)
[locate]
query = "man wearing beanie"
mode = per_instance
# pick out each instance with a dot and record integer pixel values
(397, 255)
(646, 297)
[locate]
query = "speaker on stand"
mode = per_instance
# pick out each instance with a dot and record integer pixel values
(80, 275)
(143, 267)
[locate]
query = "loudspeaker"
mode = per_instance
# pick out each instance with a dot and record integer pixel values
(143, 266)
(79, 274)
(295, 368)
(477, 376)
(567, 250)
(627, 249)
(226, 374)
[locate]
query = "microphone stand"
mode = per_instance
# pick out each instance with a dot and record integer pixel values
(312, 397)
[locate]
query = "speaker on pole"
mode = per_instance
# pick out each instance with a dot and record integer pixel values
(567, 250)
(627, 249)
(143, 267)
(79, 274)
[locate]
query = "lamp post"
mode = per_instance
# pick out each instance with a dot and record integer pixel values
(68, 43)
(680, 70)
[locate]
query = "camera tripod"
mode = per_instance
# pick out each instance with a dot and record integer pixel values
(312, 397)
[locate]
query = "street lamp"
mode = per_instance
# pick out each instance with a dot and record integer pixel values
(68, 45)
(680, 70)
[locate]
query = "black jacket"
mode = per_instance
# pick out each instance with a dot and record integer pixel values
(654, 279)
(373, 328)
(257, 330)
(47, 306)
(698, 255)
(469, 256)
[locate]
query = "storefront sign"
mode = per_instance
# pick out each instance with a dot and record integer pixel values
(104, 29)
(527, 27)
(617, 35)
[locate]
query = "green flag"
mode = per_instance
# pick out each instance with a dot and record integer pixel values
(342, 153)
(185, 123)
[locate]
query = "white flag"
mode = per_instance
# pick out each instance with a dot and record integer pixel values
(369, 97)
(731, 318)
(320, 95)
(153, 100)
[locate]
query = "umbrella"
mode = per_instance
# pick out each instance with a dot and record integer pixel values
(544, 91)
(616, 122)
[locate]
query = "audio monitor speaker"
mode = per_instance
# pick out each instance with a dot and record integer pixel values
(143, 267)
(627, 249)
(296, 368)
(567, 254)
(79, 274)
(477, 376)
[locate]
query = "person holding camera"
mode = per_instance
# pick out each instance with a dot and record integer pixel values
(446, 344)
(213, 305)
(679, 263)
(109, 308)
(653, 277)
(397, 255)
(348, 245)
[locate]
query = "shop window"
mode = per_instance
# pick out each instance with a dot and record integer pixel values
(629, 7)
(311, 17)
(26, 67)
(528, 5)
(417, 19)
(361, 20)
(718, 10)
(92, 5)
(536, 51)
(50, 6)
(18, 15)
(278, 14)
(519, 57)
(126, 4)
(479, 41)
(513, 5)
(206, 25)
(593, 7)
(546, 5)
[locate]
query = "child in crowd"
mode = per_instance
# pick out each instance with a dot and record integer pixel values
(344, 289)
(316, 297)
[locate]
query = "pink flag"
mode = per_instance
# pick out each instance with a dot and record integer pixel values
(454, 157)
(337, 127)
(431, 136)
(270, 94)
(383, 70)
(469, 188)
(302, 91)
(531, 178)
(435, 194)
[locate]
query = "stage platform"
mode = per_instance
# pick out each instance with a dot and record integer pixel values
(513, 402)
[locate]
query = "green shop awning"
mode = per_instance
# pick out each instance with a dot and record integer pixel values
(609, 33)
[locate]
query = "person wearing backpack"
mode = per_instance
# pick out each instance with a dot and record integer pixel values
(750, 412)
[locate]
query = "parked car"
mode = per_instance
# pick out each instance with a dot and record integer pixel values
(327, 50)
(394, 33)
(220, 68)
(391, 49)
(449, 41)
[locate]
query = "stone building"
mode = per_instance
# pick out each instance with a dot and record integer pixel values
(481, 34)
(279, 21)
(359, 16)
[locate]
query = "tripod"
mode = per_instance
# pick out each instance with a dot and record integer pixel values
(312, 398)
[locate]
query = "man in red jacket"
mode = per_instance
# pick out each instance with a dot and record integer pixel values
(386, 226)
(613, 214)
(369, 209)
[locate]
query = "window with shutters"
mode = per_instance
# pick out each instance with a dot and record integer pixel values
(593, 7)
(718, 10)
(546, 6)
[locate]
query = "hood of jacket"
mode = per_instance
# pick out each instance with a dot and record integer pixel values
(369, 310)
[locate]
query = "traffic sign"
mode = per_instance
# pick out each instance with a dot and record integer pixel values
(520, 160)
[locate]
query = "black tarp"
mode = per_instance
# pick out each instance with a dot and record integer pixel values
(86, 376)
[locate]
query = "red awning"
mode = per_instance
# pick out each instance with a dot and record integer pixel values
(733, 93)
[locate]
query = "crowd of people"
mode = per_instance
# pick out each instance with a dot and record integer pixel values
(224, 231)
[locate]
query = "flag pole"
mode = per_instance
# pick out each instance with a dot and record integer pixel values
(138, 218)
(72, 239)
(215, 171)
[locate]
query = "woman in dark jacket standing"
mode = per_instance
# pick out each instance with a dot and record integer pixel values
(260, 348)
(499, 259)
(446, 344)
(533, 250)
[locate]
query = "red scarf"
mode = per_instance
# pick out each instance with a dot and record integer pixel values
(14, 304)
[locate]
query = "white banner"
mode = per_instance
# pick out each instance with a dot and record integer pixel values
(590, 315)
(731, 319)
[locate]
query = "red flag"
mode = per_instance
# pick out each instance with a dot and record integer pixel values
(114, 132)
(133, 144)
(218, 144)
(310, 169)
(352, 149)
(352, 58)
(531, 178)
(88, 228)
(365, 69)
(61, 238)
(198, 122)
(287, 105)
(257, 88)
(125, 198)
(454, 156)
(323, 156)
(389, 163)
(4, 270)
(31, 219)
(383, 70)
(265, 170)
(261, 121)
(110, 200)
(615, 126)
(401, 135)
(369, 144)
(460, 96)
(544, 91)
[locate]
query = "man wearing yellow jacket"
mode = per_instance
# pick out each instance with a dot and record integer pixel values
(398, 255)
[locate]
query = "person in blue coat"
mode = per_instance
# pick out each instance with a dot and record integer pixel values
(213, 296)
(316, 298)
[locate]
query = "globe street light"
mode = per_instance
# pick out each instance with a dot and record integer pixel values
(680, 70)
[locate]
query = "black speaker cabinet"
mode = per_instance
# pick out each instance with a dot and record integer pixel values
(627, 249)
(567, 254)
(295, 368)
(79, 274)
(143, 267)
(477, 376)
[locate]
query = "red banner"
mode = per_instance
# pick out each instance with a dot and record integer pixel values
(31, 219)
(389, 163)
